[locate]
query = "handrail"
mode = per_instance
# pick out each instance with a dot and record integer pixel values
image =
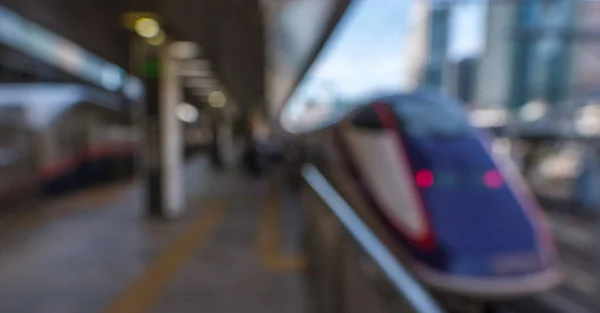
(401, 279)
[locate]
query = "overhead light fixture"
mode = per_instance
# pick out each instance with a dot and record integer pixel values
(210, 87)
(205, 90)
(194, 73)
(201, 82)
(146, 27)
(184, 50)
(216, 99)
(197, 64)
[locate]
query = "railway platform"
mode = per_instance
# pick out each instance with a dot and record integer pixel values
(96, 251)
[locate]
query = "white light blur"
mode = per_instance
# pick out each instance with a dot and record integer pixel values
(501, 147)
(564, 165)
(37, 41)
(588, 120)
(133, 88)
(70, 56)
(533, 110)
(112, 77)
(187, 112)
(467, 30)
(488, 118)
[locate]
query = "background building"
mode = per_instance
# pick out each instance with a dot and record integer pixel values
(586, 52)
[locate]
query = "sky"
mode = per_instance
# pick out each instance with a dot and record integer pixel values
(467, 31)
(365, 51)
(368, 51)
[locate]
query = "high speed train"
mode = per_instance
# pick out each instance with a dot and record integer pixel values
(426, 181)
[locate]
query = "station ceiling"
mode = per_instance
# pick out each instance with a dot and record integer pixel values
(230, 33)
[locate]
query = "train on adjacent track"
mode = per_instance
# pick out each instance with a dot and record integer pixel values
(58, 137)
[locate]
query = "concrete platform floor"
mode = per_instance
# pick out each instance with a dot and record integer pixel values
(96, 251)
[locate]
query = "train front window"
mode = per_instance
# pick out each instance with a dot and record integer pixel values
(425, 119)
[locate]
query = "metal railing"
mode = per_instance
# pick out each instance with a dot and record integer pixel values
(351, 268)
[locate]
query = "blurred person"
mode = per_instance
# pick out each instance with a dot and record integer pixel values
(251, 159)
(214, 151)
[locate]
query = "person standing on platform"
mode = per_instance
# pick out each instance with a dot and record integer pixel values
(214, 151)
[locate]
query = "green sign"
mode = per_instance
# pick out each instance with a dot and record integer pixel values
(150, 69)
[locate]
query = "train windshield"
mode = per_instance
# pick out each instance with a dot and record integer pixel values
(422, 118)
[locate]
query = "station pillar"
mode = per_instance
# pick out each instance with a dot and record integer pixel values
(162, 132)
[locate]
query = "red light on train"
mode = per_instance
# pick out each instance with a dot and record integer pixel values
(493, 179)
(424, 178)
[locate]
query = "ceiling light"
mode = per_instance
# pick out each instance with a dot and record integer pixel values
(201, 82)
(187, 112)
(216, 99)
(146, 27)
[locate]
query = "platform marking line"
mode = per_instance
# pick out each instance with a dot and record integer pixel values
(144, 291)
(268, 239)
(65, 205)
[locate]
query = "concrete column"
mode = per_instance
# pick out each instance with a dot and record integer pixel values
(163, 135)
(171, 132)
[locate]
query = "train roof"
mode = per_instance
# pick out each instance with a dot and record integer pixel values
(43, 103)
